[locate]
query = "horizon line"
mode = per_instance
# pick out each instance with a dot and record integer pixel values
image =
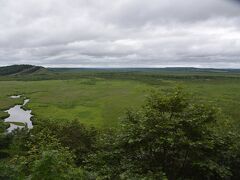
(130, 67)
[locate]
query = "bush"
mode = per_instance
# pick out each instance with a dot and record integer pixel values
(169, 137)
(40, 156)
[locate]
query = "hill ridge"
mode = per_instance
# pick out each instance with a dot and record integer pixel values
(20, 70)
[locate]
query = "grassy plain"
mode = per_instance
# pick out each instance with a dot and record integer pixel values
(100, 98)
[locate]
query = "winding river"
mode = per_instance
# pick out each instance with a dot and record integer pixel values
(18, 117)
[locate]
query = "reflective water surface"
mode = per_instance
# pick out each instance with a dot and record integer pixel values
(19, 115)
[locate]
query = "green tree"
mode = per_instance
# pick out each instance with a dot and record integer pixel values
(41, 157)
(5, 140)
(80, 139)
(169, 136)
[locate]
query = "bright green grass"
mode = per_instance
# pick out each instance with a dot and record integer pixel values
(102, 102)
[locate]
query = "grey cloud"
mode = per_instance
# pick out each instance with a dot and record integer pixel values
(120, 33)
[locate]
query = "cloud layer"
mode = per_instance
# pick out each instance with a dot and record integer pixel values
(120, 33)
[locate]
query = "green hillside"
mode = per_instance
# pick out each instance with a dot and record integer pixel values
(20, 70)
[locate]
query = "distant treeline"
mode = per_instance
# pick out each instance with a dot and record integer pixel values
(172, 69)
(146, 75)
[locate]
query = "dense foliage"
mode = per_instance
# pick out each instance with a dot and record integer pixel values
(170, 137)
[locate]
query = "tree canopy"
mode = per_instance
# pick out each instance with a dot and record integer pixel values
(169, 137)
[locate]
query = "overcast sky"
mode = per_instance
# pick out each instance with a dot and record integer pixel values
(120, 33)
